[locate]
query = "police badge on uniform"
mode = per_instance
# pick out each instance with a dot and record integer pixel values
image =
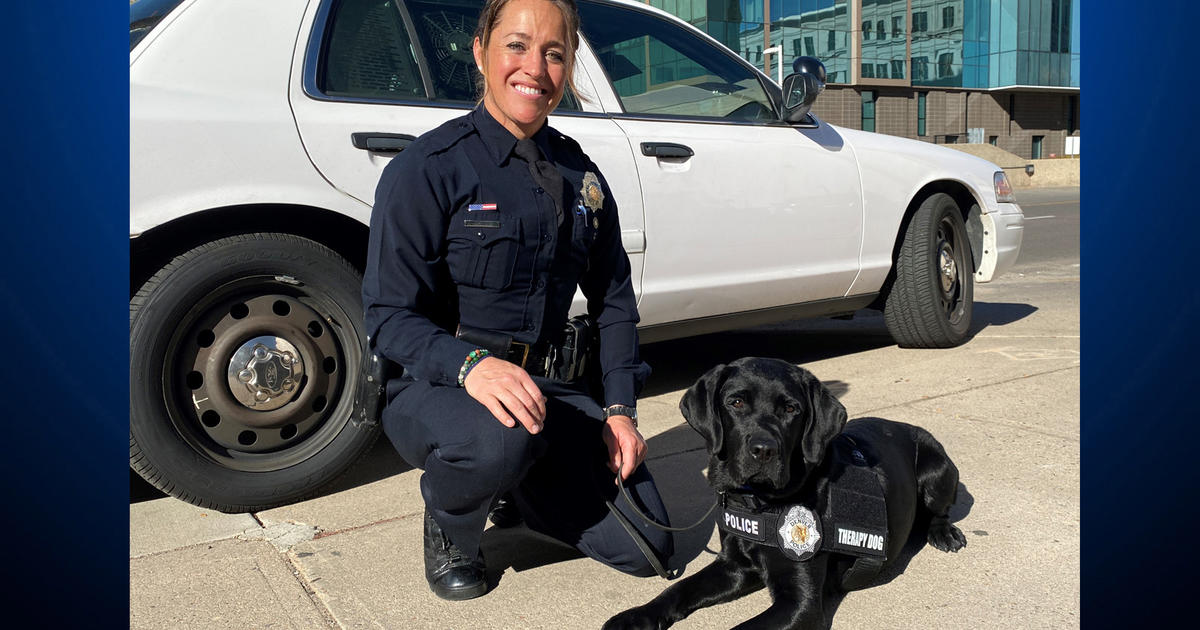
(593, 196)
(799, 533)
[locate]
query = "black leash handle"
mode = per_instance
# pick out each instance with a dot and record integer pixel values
(640, 541)
(656, 524)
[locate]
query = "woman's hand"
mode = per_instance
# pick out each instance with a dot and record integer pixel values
(508, 392)
(626, 447)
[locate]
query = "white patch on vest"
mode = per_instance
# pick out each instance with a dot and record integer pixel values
(854, 538)
(746, 525)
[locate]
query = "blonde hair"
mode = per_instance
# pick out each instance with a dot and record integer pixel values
(491, 14)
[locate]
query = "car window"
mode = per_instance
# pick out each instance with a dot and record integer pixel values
(656, 67)
(368, 53)
(446, 31)
(144, 15)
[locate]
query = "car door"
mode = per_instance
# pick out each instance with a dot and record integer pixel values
(375, 74)
(743, 212)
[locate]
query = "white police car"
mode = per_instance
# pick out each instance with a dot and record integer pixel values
(258, 132)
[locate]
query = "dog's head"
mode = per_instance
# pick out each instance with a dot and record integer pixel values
(767, 423)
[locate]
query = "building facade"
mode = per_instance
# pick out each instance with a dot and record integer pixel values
(1004, 72)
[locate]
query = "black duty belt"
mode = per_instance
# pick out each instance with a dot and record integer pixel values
(566, 362)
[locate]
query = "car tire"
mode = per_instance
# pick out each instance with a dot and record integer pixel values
(929, 304)
(243, 358)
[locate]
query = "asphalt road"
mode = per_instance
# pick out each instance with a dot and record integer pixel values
(1005, 405)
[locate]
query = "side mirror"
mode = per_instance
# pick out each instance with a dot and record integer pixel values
(800, 89)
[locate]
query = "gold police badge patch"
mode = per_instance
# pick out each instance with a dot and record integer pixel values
(593, 196)
(799, 532)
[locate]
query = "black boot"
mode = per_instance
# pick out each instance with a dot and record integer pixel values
(450, 574)
(504, 512)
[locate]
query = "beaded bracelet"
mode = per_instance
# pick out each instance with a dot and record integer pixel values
(473, 359)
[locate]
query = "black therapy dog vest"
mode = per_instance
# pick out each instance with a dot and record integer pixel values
(853, 521)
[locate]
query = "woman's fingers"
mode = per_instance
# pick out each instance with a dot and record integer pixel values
(508, 392)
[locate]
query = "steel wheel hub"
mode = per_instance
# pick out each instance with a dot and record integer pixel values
(264, 373)
(947, 268)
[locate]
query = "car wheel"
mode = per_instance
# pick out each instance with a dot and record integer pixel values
(930, 301)
(243, 358)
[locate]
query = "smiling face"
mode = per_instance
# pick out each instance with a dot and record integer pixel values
(525, 62)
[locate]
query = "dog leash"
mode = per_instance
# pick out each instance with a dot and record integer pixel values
(640, 541)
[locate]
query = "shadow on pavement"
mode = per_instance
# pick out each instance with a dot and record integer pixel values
(998, 314)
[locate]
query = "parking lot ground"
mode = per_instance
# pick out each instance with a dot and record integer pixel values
(1005, 405)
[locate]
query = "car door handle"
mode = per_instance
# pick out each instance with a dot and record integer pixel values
(381, 142)
(666, 150)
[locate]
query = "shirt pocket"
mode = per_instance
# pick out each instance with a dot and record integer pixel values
(583, 231)
(482, 248)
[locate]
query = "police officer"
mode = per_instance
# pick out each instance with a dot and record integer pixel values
(482, 230)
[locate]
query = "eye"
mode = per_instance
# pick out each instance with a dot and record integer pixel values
(736, 402)
(516, 46)
(555, 56)
(790, 408)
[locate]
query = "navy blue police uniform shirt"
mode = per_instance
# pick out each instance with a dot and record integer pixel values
(461, 233)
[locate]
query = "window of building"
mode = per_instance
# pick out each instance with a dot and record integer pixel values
(920, 22)
(951, 139)
(948, 17)
(831, 41)
(879, 32)
(868, 110)
(897, 68)
(866, 30)
(796, 50)
(898, 26)
(1036, 153)
(881, 71)
(921, 96)
(810, 48)
(920, 68)
(992, 140)
(868, 71)
(945, 65)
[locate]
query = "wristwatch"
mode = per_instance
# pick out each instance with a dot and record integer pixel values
(621, 410)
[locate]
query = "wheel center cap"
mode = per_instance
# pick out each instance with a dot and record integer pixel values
(265, 373)
(949, 270)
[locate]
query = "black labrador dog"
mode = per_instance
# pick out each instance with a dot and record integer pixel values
(814, 506)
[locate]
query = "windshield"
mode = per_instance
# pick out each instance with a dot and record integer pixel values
(144, 15)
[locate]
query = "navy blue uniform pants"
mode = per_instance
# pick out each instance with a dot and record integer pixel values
(558, 477)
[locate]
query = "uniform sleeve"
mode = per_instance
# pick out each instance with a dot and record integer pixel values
(404, 261)
(608, 286)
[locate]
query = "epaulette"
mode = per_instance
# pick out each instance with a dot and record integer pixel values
(443, 136)
(569, 144)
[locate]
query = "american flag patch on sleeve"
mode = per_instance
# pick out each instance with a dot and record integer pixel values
(476, 207)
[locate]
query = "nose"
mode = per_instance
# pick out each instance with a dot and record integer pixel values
(763, 449)
(534, 66)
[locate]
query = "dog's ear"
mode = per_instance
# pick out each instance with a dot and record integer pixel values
(828, 418)
(699, 407)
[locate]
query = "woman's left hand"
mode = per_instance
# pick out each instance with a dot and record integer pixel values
(626, 447)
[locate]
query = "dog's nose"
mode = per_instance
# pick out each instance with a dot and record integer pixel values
(762, 450)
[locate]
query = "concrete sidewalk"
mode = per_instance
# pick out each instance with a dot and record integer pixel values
(1005, 405)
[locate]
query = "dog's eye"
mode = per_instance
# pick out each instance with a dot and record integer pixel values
(790, 408)
(737, 403)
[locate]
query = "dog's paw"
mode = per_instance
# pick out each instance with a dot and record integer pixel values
(945, 536)
(635, 619)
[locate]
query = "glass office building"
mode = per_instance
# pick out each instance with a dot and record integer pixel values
(999, 71)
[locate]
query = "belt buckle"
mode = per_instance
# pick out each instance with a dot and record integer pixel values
(524, 354)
